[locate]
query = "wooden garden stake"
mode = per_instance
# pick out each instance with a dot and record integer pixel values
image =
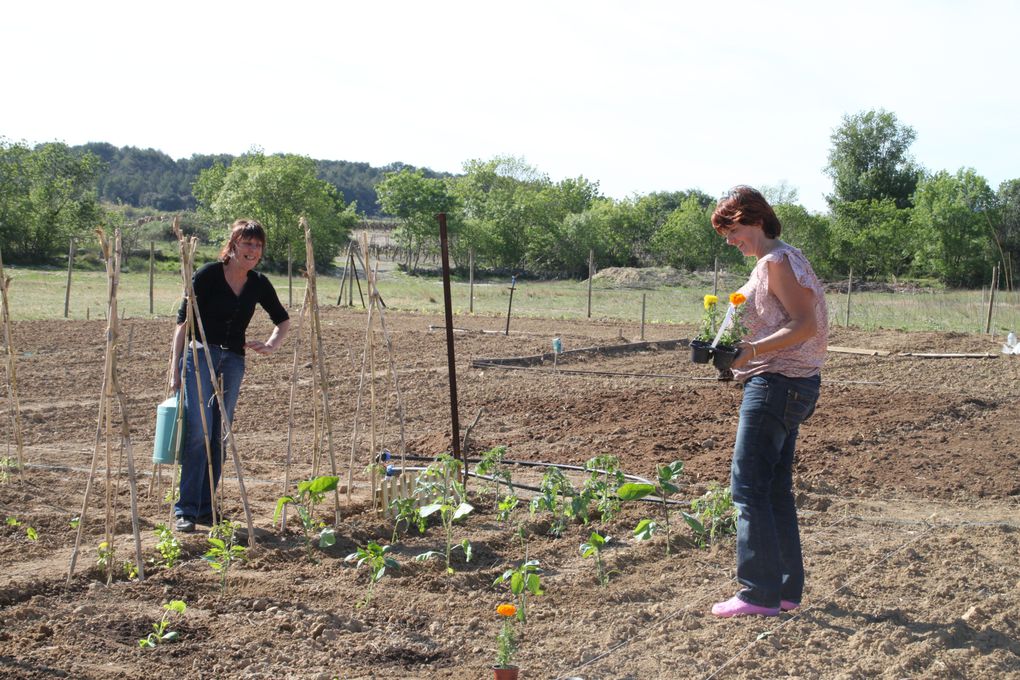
(12, 371)
(290, 406)
(715, 277)
(643, 315)
(290, 277)
(509, 306)
(347, 269)
(991, 298)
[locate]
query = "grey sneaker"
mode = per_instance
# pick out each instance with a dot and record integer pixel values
(185, 524)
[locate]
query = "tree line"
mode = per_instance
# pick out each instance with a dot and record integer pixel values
(887, 217)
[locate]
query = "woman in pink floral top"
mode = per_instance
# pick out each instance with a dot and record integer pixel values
(779, 365)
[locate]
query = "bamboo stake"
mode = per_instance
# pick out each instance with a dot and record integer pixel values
(643, 316)
(89, 481)
(290, 407)
(471, 281)
(13, 405)
(323, 374)
(849, 290)
(357, 409)
(991, 298)
(152, 273)
(591, 273)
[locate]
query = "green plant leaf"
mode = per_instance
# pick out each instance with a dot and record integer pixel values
(534, 585)
(693, 523)
(462, 509)
(631, 491)
(175, 606)
(327, 538)
(427, 510)
(322, 484)
(645, 529)
(517, 583)
(282, 501)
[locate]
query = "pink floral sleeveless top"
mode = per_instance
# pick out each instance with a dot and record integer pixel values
(763, 315)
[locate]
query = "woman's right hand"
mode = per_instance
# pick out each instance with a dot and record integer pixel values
(175, 381)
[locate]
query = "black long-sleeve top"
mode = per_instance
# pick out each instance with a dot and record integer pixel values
(225, 315)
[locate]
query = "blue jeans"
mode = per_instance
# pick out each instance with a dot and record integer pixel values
(195, 499)
(769, 562)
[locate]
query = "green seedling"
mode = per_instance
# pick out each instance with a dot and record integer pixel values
(605, 477)
(406, 510)
(6, 465)
(712, 515)
(593, 548)
(172, 494)
(159, 633)
(524, 580)
(310, 493)
(168, 546)
(105, 555)
(223, 551)
(667, 476)
(12, 522)
(507, 506)
(374, 555)
(75, 521)
(130, 570)
(440, 483)
(555, 495)
(31, 534)
(492, 465)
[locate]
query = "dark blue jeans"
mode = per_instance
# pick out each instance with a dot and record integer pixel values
(769, 562)
(195, 499)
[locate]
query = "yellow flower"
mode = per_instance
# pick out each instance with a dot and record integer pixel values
(711, 301)
(506, 610)
(737, 299)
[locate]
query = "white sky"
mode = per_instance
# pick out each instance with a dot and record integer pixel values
(640, 96)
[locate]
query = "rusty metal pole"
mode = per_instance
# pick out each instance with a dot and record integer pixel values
(510, 305)
(450, 360)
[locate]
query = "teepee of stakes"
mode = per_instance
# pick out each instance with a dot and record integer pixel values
(104, 429)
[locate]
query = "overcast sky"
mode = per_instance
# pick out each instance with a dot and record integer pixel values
(639, 96)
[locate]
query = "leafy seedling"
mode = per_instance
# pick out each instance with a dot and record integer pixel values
(168, 546)
(605, 477)
(524, 580)
(374, 555)
(712, 515)
(667, 476)
(406, 510)
(593, 548)
(440, 483)
(556, 495)
(223, 551)
(31, 534)
(310, 493)
(159, 633)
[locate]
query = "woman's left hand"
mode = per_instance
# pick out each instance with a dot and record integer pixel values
(743, 356)
(260, 347)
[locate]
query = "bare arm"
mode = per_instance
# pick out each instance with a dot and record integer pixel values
(274, 342)
(176, 347)
(799, 303)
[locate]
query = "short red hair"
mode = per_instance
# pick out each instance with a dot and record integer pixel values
(745, 205)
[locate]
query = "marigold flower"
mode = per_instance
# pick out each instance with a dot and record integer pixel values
(710, 301)
(506, 610)
(737, 299)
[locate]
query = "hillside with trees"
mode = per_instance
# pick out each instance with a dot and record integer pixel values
(888, 218)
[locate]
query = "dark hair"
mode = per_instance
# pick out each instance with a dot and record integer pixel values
(747, 206)
(242, 229)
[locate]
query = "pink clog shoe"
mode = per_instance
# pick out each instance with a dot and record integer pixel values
(737, 607)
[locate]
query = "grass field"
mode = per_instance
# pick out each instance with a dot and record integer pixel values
(40, 294)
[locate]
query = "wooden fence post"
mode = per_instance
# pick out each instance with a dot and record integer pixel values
(849, 287)
(152, 268)
(290, 276)
(591, 270)
(643, 315)
(471, 280)
(715, 284)
(70, 266)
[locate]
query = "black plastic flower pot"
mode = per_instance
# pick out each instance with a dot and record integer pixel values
(701, 351)
(723, 356)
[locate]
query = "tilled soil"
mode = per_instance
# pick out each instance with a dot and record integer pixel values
(908, 482)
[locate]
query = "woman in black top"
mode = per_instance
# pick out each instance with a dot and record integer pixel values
(226, 292)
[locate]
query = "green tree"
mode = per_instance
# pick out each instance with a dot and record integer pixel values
(873, 237)
(416, 199)
(952, 214)
(688, 241)
(1007, 231)
(869, 160)
(47, 196)
(810, 233)
(278, 190)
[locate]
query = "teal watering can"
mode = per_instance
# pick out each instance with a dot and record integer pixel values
(166, 447)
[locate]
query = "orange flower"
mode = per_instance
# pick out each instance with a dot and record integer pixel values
(506, 610)
(737, 299)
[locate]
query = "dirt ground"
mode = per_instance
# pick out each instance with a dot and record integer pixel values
(908, 482)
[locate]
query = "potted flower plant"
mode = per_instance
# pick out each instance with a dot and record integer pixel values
(725, 351)
(506, 644)
(701, 346)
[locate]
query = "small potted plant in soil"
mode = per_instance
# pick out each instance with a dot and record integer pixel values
(725, 352)
(506, 644)
(701, 346)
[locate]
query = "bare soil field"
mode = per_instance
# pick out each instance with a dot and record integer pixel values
(908, 483)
